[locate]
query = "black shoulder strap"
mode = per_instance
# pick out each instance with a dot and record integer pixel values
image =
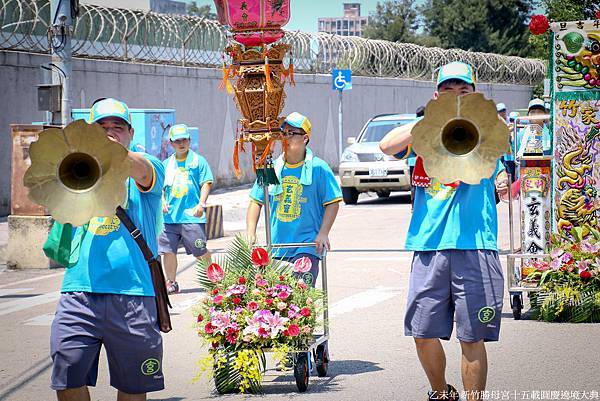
(135, 233)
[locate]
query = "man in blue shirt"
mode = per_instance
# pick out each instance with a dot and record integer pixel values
(456, 273)
(107, 296)
(188, 180)
(305, 203)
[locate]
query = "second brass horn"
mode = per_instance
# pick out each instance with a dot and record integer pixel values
(460, 138)
(77, 173)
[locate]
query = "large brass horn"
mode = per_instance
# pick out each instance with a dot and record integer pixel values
(460, 138)
(77, 173)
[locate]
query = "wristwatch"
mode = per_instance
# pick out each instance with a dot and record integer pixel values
(203, 204)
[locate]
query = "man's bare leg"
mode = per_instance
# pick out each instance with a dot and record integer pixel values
(170, 263)
(474, 369)
(433, 360)
(74, 394)
(121, 396)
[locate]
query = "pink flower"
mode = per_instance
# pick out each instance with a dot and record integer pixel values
(305, 312)
(583, 266)
(260, 257)
(588, 247)
(262, 282)
(302, 285)
(218, 299)
(215, 273)
(306, 330)
(281, 305)
(242, 280)
(309, 301)
(208, 329)
(293, 330)
(302, 265)
(555, 264)
(269, 301)
(283, 295)
(252, 306)
(556, 253)
(231, 336)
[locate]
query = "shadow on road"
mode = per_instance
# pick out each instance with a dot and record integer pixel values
(394, 199)
(25, 377)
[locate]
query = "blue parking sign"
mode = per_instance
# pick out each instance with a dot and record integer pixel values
(341, 80)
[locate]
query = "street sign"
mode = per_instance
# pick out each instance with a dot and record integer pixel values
(341, 80)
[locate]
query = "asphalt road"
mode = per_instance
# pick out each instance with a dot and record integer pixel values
(371, 358)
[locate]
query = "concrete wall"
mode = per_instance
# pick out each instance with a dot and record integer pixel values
(194, 93)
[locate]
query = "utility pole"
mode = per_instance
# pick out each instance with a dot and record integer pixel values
(62, 15)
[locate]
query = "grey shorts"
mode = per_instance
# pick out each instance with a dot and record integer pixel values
(128, 328)
(454, 284)
(193, 237)
(310, 277)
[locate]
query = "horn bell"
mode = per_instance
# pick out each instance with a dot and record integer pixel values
(460, 138)
(77, 173)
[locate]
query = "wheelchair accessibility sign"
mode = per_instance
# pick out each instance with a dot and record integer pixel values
(341, 80)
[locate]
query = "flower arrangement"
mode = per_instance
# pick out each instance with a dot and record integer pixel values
(253, 302)
(570, 282)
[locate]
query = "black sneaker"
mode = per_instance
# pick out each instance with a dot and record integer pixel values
(449, 395)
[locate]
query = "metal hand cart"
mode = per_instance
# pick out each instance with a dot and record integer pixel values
(317, 349)
(516, 285)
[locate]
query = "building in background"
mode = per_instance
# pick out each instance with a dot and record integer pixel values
(158, 6)
(351, 24)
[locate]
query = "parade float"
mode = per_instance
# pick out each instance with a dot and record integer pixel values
(567, 282)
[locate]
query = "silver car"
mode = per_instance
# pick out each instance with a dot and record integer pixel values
(364, 167)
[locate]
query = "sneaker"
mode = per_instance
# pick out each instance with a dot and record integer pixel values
(172, 287)
(450, 395)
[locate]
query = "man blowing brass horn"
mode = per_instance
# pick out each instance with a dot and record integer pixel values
(456, 273)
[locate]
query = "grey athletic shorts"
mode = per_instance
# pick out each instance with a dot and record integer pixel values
(455, 284)
(192, 235)
(128, 328)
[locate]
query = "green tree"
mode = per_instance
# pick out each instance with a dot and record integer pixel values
(494, 26)
(202, 11)
(393, 20)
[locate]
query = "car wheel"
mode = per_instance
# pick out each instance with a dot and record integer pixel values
(350, 195)
(383, 194)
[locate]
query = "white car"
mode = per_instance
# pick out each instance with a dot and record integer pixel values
(364, 167)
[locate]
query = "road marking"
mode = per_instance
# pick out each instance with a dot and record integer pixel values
(31, 280)
(184, 305)
(12, 291)
(26, 303)
(41, 320)
(363, 300)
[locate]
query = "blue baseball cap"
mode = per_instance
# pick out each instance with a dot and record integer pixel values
(536, 103)
(110, 108)
(456, 70)
(298, 120)
(179, 131)
(500, 107)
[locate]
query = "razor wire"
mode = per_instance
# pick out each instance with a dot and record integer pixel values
(149, 37)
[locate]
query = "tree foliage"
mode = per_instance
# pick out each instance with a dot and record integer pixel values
(200, 11)
(393, 20)
(494, 26)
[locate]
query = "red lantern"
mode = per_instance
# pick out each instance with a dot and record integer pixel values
(254, 22)
(539, 24)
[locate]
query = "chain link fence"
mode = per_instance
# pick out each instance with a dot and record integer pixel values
(148, 37)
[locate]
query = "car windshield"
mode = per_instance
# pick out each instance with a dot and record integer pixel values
(376, 130)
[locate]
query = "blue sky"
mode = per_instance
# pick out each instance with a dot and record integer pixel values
(306, 12)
